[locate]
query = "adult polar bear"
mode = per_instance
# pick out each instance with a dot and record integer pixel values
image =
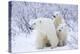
(61, 28)
(46, 32)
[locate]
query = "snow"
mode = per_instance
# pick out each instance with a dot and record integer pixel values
(26, 43)
(23, 39)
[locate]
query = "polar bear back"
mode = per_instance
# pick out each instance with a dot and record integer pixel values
(46, 25)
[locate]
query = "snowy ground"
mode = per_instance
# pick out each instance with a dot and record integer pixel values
(26, 43)
(22, 39)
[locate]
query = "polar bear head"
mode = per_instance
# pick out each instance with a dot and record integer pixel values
(61, 28)
(58, 18)
(34, 24)
(57, 14)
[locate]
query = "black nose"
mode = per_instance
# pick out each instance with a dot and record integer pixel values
(30, 28)
(54, 16)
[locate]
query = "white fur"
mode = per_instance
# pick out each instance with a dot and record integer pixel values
(62, 35)
(45, 32)
(58, 19)
(60, 24)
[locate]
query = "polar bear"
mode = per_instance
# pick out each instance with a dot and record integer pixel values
(46, 32)
(61, 28)
(58, 19)
(62, 35)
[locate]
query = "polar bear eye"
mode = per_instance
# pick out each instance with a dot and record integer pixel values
(34, 23)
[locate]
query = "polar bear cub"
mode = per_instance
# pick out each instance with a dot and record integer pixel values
(61, 28)
(46, 32)
(62, 34)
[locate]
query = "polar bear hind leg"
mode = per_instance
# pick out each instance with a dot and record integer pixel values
(41, 41)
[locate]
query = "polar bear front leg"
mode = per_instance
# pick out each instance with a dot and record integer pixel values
(53, 45)
(53, 42)
(39, 44)
(62, 43)
(40, 41)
